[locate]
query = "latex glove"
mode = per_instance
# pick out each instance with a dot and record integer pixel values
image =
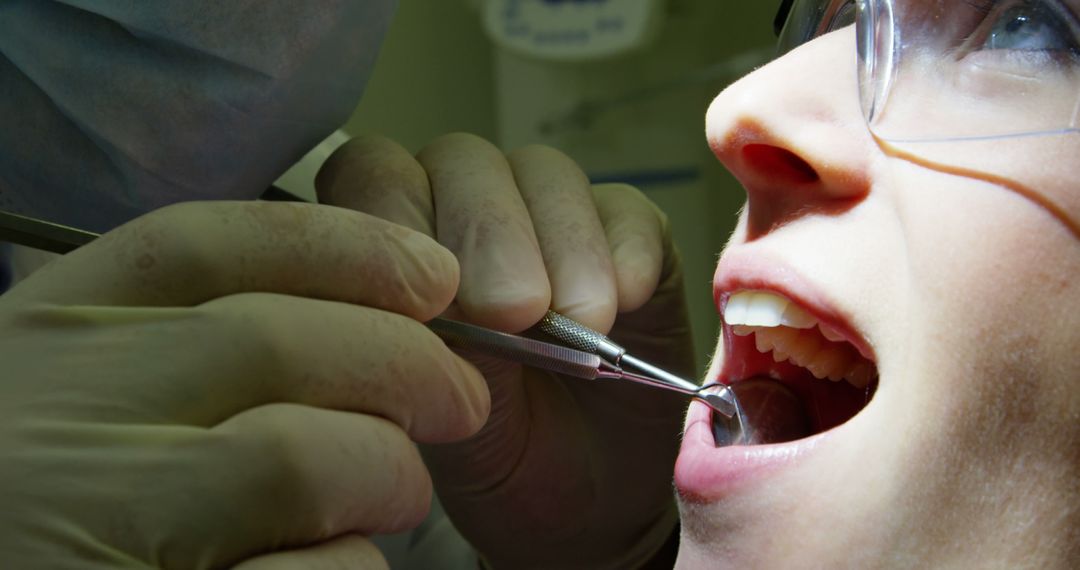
(226, 383)
(113, 108)
(566, 473)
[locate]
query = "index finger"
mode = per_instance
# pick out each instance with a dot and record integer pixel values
(572, 239)
(190, 253)
(482, 218)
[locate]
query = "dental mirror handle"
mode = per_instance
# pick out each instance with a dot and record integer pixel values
(576, 335)
(556, 358)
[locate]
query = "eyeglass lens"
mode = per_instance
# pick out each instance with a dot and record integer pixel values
(941, 70)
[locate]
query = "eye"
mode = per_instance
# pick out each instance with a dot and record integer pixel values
(1031, 25)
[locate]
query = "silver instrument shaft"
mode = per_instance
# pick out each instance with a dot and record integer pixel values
(566, 360)
(579, 336)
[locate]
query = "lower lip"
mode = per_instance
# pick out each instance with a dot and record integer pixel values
(705, 473)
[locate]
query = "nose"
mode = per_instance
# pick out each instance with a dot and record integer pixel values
(793, 134)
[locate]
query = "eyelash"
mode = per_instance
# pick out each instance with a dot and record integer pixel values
(986, 7)
(983, 7)
(990, 8)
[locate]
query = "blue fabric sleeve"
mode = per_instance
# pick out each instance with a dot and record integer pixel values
(113, 108)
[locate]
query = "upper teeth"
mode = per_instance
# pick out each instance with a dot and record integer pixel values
(762, 309)
(773, 317)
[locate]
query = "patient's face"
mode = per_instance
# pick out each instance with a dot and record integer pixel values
(932, 330)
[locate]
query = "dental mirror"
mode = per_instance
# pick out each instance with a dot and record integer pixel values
(768, 412)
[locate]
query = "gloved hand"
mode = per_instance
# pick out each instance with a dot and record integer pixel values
(226, 383)
(566, 473)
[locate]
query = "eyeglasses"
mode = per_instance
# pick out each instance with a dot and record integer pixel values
(984, 88)
(944, 70)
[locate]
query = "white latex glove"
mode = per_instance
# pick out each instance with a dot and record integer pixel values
(567, 473)
(226, 383)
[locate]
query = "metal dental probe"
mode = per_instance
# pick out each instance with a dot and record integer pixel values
(40, 234)
(589, 354)
(577, 335)
(59, 238)
(573, 362)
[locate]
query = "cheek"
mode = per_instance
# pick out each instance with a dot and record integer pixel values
(980, 253)
(989, 350)
(994, 282)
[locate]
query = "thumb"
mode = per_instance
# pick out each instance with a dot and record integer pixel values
(349, 552)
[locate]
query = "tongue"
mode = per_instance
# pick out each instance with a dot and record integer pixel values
(771, 413)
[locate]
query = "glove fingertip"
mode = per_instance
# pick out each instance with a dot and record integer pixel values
(637, 275)
(430, 274)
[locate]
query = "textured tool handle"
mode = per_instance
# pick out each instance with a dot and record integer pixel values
(577, 335)
(583, 338)
(570, 332)
(535, 353)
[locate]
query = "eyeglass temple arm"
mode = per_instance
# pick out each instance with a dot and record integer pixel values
(781, 17)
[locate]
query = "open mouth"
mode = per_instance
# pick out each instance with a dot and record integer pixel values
(827, 370)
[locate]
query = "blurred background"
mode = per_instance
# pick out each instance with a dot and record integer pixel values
(619, 85)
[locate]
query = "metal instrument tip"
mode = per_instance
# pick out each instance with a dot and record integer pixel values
(723, 401)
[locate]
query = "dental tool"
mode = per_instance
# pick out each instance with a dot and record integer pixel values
(603, 359)
(577, 335)
(588, 354)
(768, 412)
(58, 238)
(40, 234)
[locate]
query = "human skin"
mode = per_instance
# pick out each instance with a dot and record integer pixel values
(962, 288)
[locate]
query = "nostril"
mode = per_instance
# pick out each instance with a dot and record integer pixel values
(777, 162)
